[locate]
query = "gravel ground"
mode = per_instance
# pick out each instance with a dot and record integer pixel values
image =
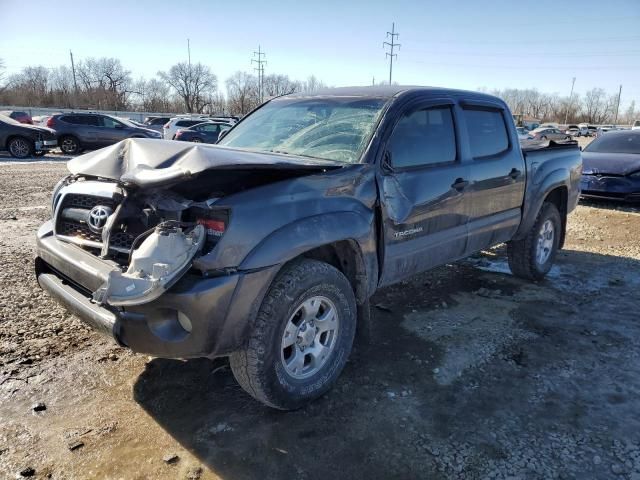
(471, 374)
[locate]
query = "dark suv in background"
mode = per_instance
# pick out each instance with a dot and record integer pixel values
(79, 131)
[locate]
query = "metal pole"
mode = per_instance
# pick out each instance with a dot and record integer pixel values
(617, 106)
(573, 82)
(392, 45)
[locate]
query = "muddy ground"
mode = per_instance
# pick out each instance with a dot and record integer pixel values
(471, 373)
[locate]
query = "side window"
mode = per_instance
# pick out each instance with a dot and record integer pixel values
(209, 128)
(110, 122)
(487, 132)
(181, 123)
(423, 137)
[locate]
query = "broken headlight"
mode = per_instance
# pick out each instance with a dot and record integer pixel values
(214, 221)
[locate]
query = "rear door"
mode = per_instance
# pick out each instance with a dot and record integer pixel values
(496, 174)
(424, 201)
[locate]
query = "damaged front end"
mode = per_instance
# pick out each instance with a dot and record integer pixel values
(162, 258)
(149, 238)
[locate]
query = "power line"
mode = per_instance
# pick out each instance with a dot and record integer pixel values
(260, 70)
(391, 45)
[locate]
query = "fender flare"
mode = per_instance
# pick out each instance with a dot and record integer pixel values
(303, 235)
(539, 191)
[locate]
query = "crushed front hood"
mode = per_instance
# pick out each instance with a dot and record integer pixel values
(147, 162)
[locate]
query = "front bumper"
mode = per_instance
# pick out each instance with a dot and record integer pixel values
(217, 310)
(45, 145)
(610, 188)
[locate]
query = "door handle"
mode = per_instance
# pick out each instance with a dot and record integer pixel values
(515, 173)
(460, 184)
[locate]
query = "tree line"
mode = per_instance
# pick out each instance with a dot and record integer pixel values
(595, 106)
(104, 84)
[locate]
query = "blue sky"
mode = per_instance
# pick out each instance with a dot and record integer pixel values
(462, 44)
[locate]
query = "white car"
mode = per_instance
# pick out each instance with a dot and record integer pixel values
(172, 126)
(523, 134)
(636, 125)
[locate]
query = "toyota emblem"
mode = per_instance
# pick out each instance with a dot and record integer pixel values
(98, 217)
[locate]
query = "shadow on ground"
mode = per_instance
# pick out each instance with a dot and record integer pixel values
(539, 405)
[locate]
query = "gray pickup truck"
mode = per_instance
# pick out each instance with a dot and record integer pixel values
(267, 247)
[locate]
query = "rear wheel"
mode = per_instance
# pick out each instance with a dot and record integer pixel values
(532, 257)
(301, 338)
(69, 145)
(20, 147)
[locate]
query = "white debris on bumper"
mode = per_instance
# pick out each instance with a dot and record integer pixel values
(161, 259)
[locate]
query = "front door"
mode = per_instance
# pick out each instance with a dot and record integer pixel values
(423, 185)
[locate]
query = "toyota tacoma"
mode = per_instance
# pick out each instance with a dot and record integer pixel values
(267, 246)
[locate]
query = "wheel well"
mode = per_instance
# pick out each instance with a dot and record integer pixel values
(558, 196)
(345, 255)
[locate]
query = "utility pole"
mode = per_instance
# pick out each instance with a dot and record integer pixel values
(566, 115)
(189, 53)
(617, 106)
(392, 46)
(73, 69)
(260, 70)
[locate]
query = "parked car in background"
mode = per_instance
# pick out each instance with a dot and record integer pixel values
(40, 120)
(636, 125)
(176, 123)
(523, 134)
(207, 132)
(577, 130)
(230, 119)
(18, 116)
(24, 140)
(79, 131)
(611, 166)
(549, 133)
(156, 123)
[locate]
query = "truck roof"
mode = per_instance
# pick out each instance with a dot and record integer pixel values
(386, 91)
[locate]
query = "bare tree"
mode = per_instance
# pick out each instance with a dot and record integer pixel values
(596, 106)
(242, 92)
(104, 83)
(275, 85)
(2, 68)
(630, 114)
(193, 83)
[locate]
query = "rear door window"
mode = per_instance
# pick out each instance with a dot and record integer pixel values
(423, 137)
(487, 131)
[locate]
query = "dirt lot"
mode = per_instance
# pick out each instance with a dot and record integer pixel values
(471, 374)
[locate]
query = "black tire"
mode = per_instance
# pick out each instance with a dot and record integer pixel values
(523, 254)
(20, 147)
(259, 367)
(69, 145)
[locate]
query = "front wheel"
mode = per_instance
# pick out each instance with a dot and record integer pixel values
(20, 147)
(532, 256)
(301, 337)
